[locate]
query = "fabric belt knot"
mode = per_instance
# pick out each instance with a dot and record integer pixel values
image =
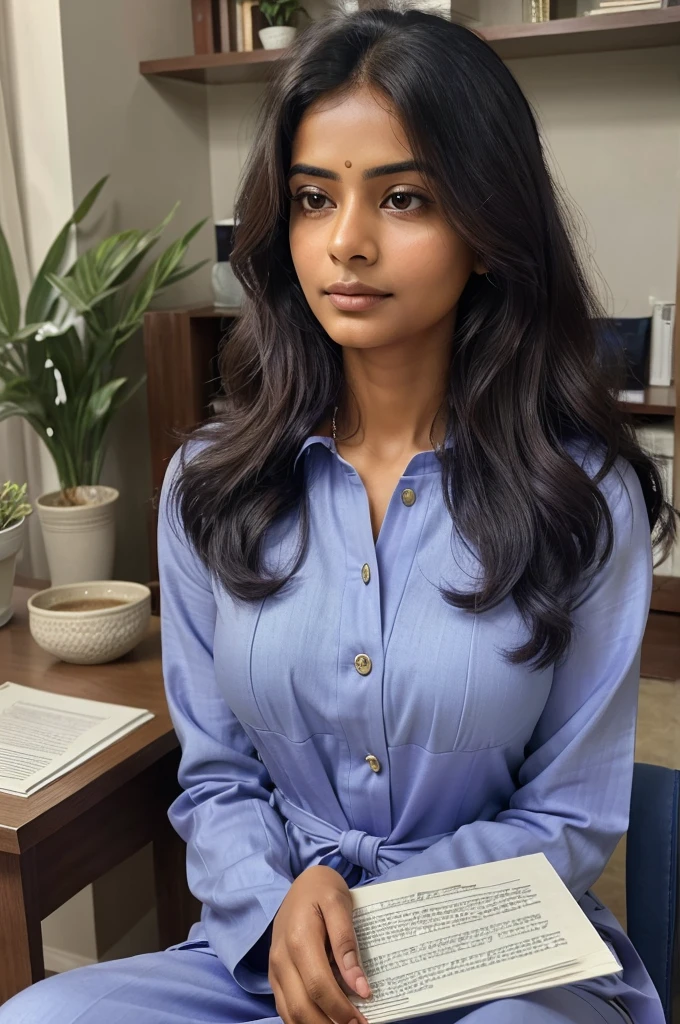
(361, 849)
(373, 853)
(355, 846)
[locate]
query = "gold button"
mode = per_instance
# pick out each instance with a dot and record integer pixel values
(365, 572)
(408, 496)
(362, 664)
(374, 762)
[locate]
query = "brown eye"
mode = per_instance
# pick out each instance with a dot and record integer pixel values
(315, 199)
(404, 201)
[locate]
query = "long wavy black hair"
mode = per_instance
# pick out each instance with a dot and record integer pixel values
(526, 377)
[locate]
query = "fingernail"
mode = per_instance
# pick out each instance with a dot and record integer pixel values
(362, 987)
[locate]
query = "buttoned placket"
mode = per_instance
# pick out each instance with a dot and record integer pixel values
(375, 577)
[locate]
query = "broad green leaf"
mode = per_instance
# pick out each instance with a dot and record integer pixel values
(66, 353)
(26, 409)
(132, 265)
(192, 232)
(69, 290)
(122, 397)
(88, 202)
(74, 295)
(40, 296)
(184, 272)
(10, 307)
(101, 399)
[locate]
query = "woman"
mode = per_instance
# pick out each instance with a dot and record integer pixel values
(406, 570)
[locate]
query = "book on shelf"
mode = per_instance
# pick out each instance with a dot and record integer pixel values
(249, 20)
(204, 15)
(626, 4)
(227, 25)
(468, 935)
(43, 735)
(661, 362)
(622, 8)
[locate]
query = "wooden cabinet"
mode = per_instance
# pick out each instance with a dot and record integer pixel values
(180, 350)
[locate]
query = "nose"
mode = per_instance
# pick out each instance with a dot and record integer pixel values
(351, 233)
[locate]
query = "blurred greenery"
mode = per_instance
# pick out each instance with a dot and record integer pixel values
(13, 504)
(281, 12)
(58, 361)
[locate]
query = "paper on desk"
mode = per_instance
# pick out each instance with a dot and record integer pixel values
(44, 735)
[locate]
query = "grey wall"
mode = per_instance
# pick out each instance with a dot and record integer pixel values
(152, 138)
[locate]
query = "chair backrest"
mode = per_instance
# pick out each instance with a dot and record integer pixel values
(652, 879)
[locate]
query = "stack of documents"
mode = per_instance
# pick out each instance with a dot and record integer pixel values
(43, 735)
(453, 938)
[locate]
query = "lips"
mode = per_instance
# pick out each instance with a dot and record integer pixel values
(353, 288)
(356, 303)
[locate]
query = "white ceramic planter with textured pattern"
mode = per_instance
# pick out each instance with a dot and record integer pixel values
(11, 540)
(80, 540)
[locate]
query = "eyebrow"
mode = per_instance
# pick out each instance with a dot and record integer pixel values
(372, 172)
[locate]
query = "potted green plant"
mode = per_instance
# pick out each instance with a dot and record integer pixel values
(279, 33)
(13, 511)
(58, 370)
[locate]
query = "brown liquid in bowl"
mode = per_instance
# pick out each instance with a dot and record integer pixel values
(86, 604)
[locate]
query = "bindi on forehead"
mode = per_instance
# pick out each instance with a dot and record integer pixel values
(348, 163)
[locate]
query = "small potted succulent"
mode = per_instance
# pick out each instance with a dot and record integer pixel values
(13, 511)
(279, 13)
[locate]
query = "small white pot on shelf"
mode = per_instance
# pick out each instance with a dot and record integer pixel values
(277, 37)
(11, 540)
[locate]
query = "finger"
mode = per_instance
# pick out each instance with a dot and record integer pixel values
(340, 927)
(295, 1005)
(308, 952)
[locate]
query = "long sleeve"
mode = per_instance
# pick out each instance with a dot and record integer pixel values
(238, 858)
(573, 794)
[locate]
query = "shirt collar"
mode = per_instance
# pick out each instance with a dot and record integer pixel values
(330, 444)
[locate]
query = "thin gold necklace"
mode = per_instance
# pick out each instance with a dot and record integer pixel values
(436, 448)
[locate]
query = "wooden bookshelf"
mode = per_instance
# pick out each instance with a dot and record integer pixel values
(569, 35)
(215, 68)
(632, 31)
(658, 402)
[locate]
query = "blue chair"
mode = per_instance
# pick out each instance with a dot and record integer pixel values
(653, 879)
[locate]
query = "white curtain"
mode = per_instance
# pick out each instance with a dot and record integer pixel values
(23, 456)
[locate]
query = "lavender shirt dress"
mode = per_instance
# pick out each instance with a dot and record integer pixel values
(357, 720)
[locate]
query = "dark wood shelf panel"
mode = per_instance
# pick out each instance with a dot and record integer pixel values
(632, 31)
(215, 68)
(666, 593)
(638, 30)
(658, 401)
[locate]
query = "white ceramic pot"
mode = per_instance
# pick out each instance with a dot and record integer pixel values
(277, 37)
(11, 540)
(80, 540)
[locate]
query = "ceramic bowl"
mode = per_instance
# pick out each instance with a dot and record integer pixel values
(94, 636)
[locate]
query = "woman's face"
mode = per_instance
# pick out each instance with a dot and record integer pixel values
(386, 231)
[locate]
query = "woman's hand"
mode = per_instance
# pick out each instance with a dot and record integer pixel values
(316, 913)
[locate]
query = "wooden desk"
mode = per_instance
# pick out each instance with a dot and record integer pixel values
(83, 824)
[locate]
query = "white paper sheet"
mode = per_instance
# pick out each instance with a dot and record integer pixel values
(44, 735)
(454, 938)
